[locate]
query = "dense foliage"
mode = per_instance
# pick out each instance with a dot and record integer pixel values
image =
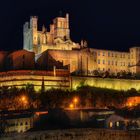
(26, 98)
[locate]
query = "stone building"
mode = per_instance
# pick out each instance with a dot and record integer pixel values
(21, 59)
(55, 48)
(57, 38)
(18, 122)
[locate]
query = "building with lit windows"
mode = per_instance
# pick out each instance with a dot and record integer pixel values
(52, 58)
(55, 48)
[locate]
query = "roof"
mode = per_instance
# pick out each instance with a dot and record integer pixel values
(16, 116)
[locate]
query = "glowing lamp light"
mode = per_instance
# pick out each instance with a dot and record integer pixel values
(71, 106)
(75, 100)
(23, 98)
(130, 104)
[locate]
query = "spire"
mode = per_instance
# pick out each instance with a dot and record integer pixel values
(43, 28)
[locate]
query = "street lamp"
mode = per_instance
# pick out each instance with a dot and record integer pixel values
(71, 106)
(24, 100)
(75, 100)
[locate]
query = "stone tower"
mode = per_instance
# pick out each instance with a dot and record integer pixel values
(58, 37)
(30, 36)
(61, 27)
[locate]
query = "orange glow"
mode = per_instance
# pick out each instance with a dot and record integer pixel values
(130, 104)
(41, 113)
(71, 106)
(23, 98)
(75, 100)
(133, 101)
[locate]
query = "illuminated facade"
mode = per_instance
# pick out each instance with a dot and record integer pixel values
(62, 80)
(61, 51)
(57, 38)
(19, 123)
(88, 60)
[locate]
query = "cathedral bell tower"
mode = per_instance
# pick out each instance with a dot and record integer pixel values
(33, 27)
(61, 27)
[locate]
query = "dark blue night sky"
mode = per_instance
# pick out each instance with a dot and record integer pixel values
(105, 24)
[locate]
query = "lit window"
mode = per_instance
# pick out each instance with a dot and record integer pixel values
(108, 53)
(103, 61)
(98, 53)
(117, 124)
(98, 61)
(112, 54)
(108, 62)
(110, 124)
(112, 62)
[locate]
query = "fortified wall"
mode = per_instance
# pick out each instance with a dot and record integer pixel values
(61, 79)
(48, 79)
(109, 83)
(78, 134)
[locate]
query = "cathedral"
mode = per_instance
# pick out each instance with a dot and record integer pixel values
(47, 49)
(49, 56)
(54, 48)
(57, 38)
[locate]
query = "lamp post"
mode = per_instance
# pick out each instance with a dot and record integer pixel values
(75, 100)
(71, 106)
(24, 100)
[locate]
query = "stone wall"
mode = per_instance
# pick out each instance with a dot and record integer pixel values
(62, 80)
(20, 79)
(117, 84)
(77, 134)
